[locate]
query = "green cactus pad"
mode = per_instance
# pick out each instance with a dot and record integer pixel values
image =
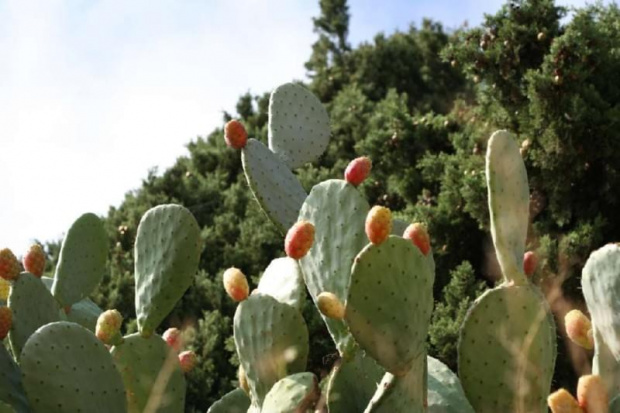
(272, 342)
(274, 186)
(235, 401)
(167, 252)
(390, 302)
(151, 373)
(295, 393)
(404, 394)
(507, 350)
(445, 393)
(399, 226)
(605, 364)
(33, 306)
(600, 280)
(5, 408)
(298, 125)
(338, 212)
(11, 389)
(509, 201)
(85, 313)
(353, 383)
(283, 281)
(66, 369)
(614, 405)
(81, 264)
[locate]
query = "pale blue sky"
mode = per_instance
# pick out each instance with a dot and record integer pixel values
(94, 93)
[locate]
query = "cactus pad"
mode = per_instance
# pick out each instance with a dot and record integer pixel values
(33, 307)
(274, 186)
(11, 389)
(298, 125)
(5, 408)
(272, 342)
(295, 393)
(283, 281)
(508, 203)
(66, 369)
(85, 313)
(600, 281)
(353, 383)
(167, 252)
(235, 401)
(151, 373)
(507, 351)
(605, 364)
(390, 302)
(338, 212)
(81, 264)
(445, 393)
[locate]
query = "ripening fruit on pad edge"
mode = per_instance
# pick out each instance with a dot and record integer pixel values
(330, 306)
(358, 170)
(378, 224)
(418, 234)
(235, 134)
(236, 284)
(299, 240)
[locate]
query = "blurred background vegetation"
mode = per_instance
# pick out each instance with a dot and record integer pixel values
(421, 104)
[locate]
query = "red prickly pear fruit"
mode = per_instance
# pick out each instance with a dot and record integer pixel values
(9, 266)
(187, 360)
(530, 262)
(579, 329)
(299, 240)
(5, 289)
(358, 170)
(173, 338)
(235, 134)
(418, 234)
(592, 394)
(109, 326)
(6, 320)
(34, 260)
(378, 224)
(562, 401)
(235, 284)
(330, 306)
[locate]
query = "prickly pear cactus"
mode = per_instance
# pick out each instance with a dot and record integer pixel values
(151, 374)
(235, 401)
(353, 383)
(85, 313)
(66, 369)
(507, 351)
(283, 281)
(338, 212)
(274, 186)
(605, 364)
(167, 252)
(295, 393)
(272, 342)
(11, 389)
(81, 264)
(298, 125)
(390, 303)
(445, 393)
(508, 203)
(33, 307)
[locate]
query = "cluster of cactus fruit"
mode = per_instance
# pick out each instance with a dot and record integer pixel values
(371, 279)
(67, 355)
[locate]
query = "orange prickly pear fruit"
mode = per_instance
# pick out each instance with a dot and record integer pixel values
(34, 260)
(378, 224)
(579, 329)
(236, 284)
(299, 240)
(358, 170)
(418, 234)
(235, 134)
(9, 266)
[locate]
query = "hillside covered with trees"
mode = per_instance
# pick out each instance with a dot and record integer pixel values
(421, 104)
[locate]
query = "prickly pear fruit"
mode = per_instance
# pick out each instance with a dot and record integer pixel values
(530, 262)
(9, 266)
(235, 284)
(109, 326)
(418, 234)
(6, 320)
(34, 260)
(299, 239)
(235, 134)
(378, 224)
(358, 170)
(5, 288)
(579, 329)
(173, 338)
(330, 306)
(243, 380)
(592, 394)
(562, 401)
(187, 359)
